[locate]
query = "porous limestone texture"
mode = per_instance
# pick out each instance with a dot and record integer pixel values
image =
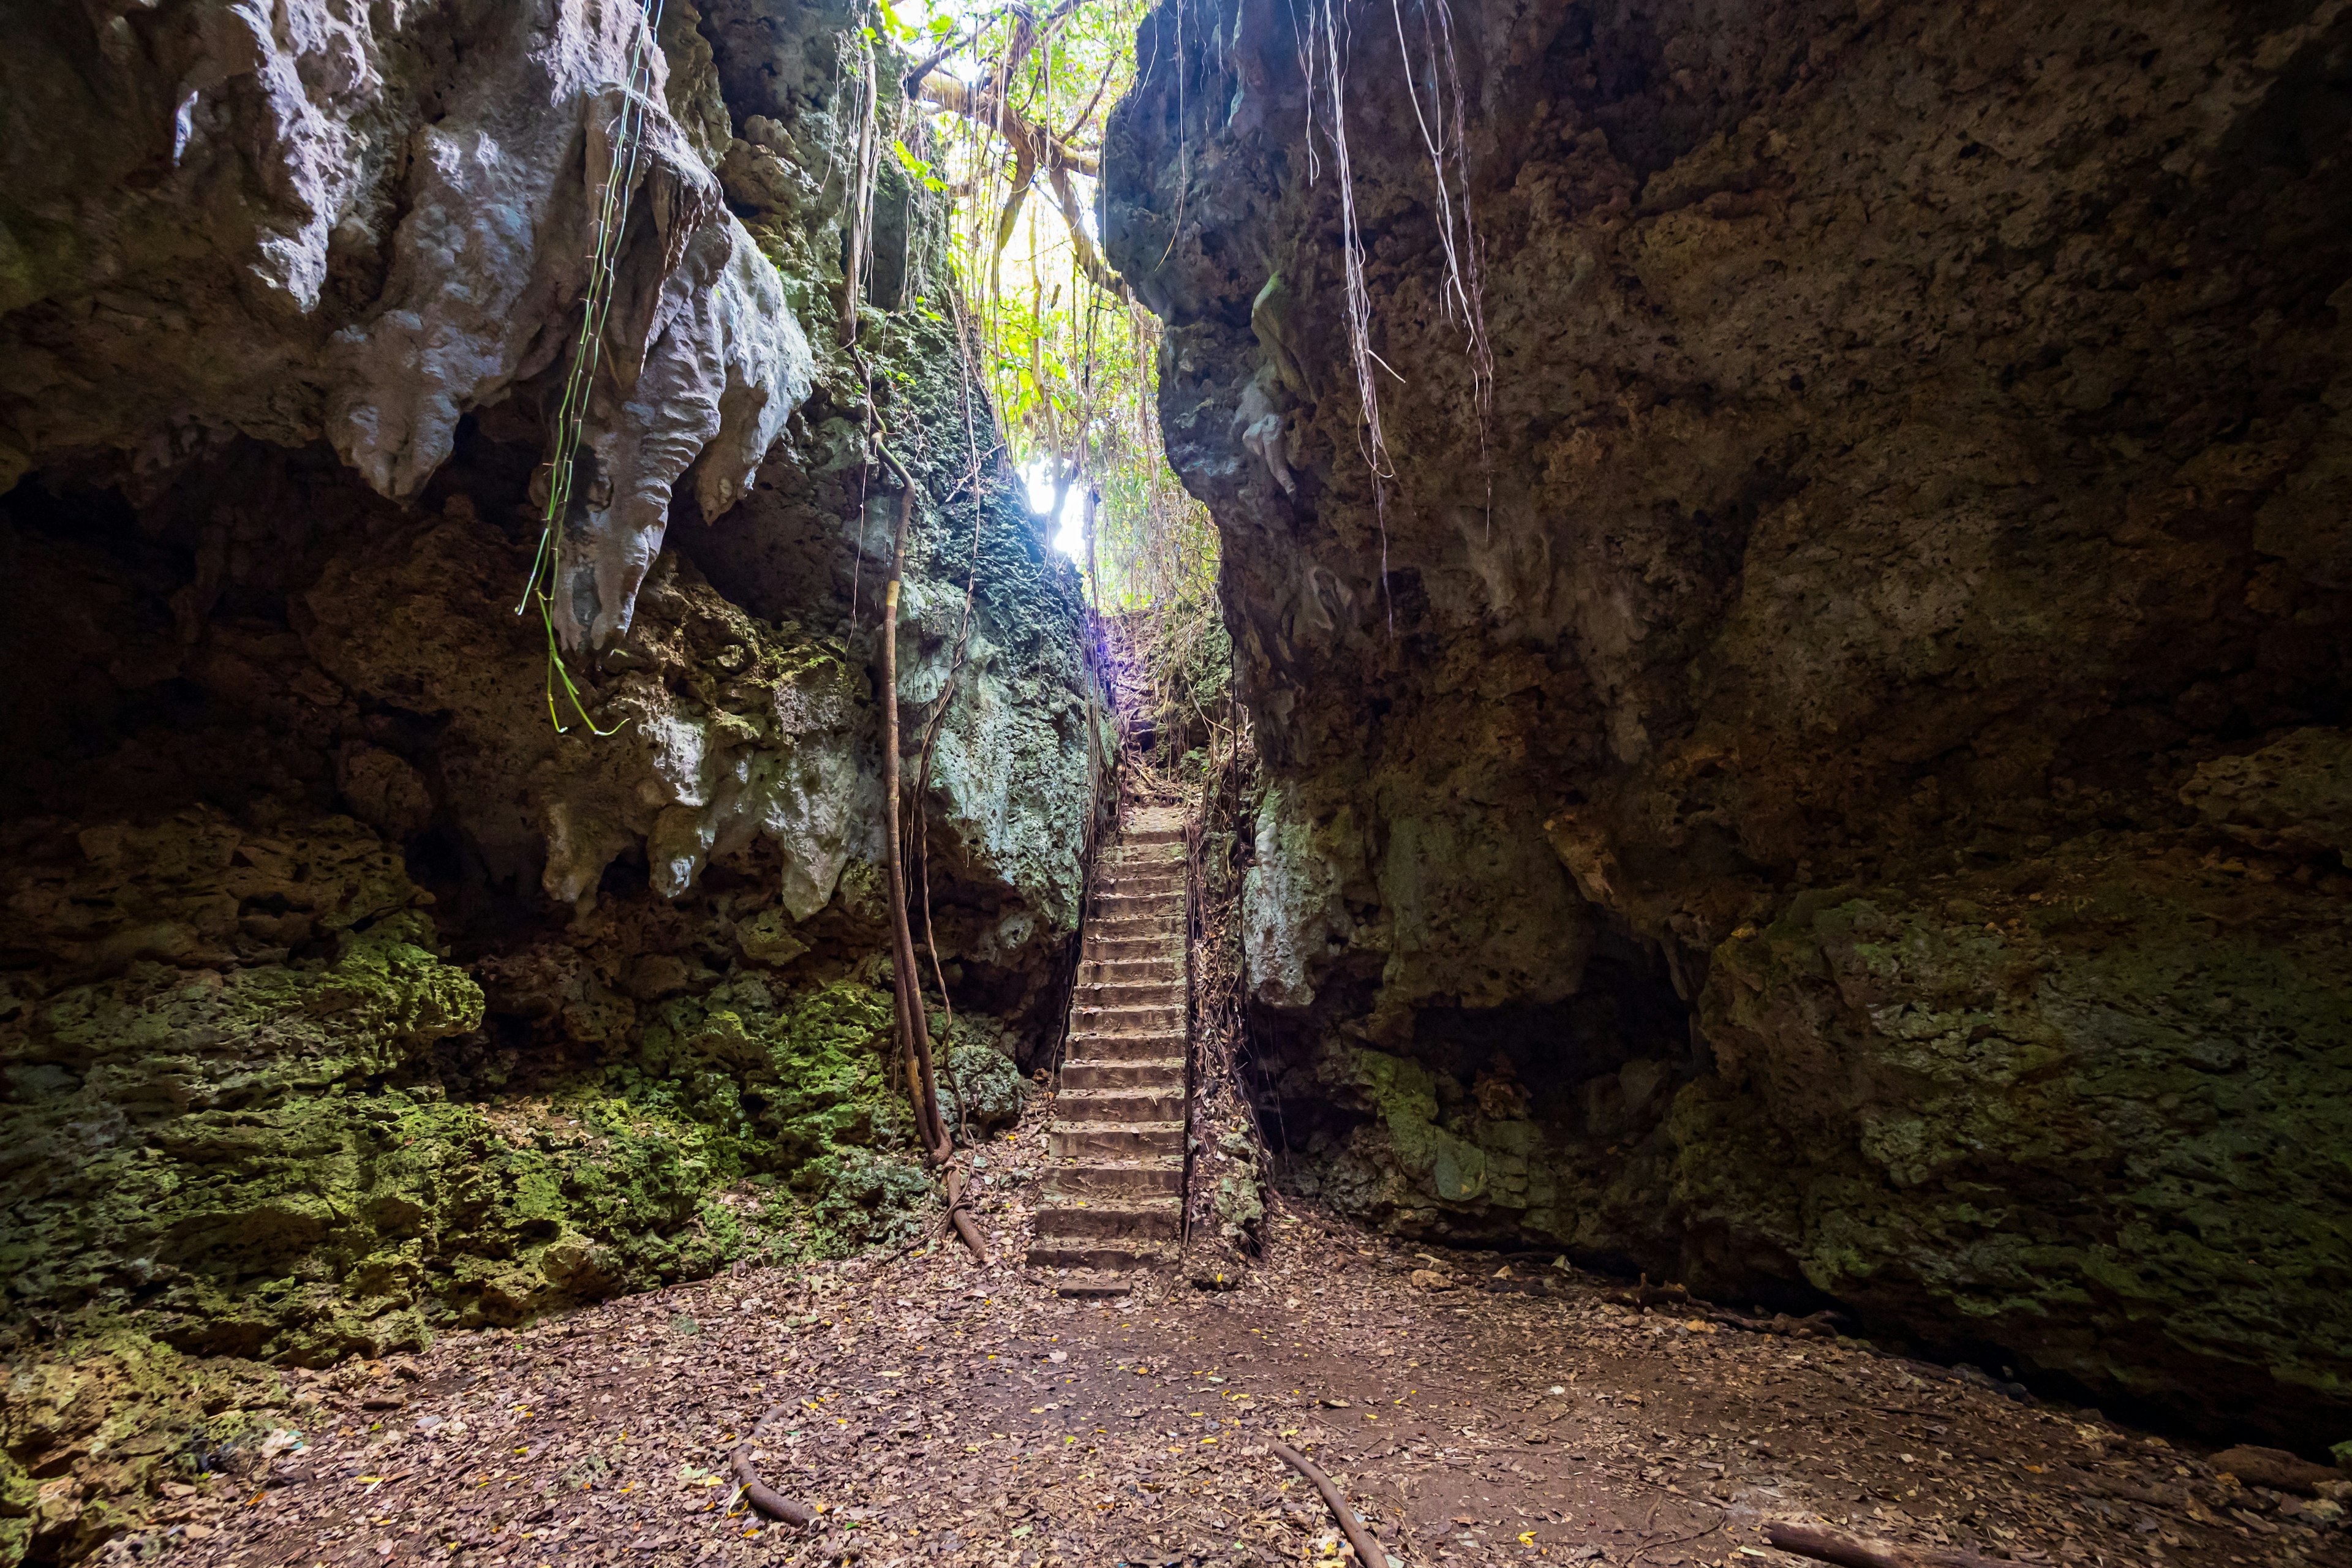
(332, 221)
(364, 973)
(229, 1120)
(1820, 771)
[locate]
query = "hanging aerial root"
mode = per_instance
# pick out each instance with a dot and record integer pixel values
(758, 1493)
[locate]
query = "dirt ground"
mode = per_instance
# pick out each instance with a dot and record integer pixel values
(944, 1412)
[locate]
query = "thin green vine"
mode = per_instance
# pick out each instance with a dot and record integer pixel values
(612, 226)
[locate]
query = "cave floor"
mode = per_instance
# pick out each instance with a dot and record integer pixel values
(953, 1414)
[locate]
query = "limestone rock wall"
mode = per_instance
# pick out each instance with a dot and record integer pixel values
(1827, 782)
(352, 985)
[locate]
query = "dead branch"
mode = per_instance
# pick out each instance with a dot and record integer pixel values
(1820, 1325)
(1367, 1551)
(757, 1492)
(1854, 1552)
(1078, 121)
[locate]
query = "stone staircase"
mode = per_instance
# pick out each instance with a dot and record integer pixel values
(1114, 1200)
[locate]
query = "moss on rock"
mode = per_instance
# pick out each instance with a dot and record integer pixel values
(260, 1160)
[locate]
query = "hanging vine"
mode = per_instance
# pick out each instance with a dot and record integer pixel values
(626, 137)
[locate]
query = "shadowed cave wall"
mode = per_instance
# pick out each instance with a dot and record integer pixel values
(1835, 785)
(341, 997)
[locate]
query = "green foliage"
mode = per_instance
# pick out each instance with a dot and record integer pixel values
(1070, 366)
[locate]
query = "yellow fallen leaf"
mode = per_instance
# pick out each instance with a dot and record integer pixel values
(1527, 1538)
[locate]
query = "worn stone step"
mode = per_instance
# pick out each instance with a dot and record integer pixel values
(1160, 924)
(1165, 922)
(1171, 931)
(1141, 939)
(1128, 1179)
(1161, 1073)
(1158, 1020)
(1165, 971)
(1159, 854)
(1152, 1104)
(1107, 949)
(1122, 998)
(1124, 883)
(1109, 1256)
(1114, 1139)
(1113, 909)
(1166, 832)
(1126, 973)
(1145, 1219)
(1097, 1046)
(1137, 943)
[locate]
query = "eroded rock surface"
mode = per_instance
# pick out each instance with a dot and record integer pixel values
(355, 981)
(1831, 782)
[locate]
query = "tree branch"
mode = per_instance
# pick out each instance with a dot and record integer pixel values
(1089, 262)
(998, 114)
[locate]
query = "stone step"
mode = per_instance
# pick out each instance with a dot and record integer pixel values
(1158, 1020)
(1149, 993)
(1134, 854)
(1104, 1256)
(1159, 1073)
(1115, 908)
(1145, 1219)
(1132, 1179)
(1114, 1139)
(1154, 833)
(1169, 927)
(1108, 949)
(1167, 969)
(1094, 1046)
(1138, 938)
(1144, 938)
(1159, 1103)
(1127, 884)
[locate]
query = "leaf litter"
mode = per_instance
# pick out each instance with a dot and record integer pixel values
(1474, 1409)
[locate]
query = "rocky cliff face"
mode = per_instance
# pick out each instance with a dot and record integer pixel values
(1833, 784)
(342, 997)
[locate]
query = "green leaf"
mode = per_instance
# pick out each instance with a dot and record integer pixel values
(908, 162)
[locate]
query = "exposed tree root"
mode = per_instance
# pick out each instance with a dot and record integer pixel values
(1367, 1551)
(757, 1492)
(960, 1216)
(1854, 1552)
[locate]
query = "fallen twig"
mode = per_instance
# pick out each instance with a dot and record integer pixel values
(1854, 1552)
(758, 1493)
(1821, 1325)
(1640, 1552)
(1368, 1551)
